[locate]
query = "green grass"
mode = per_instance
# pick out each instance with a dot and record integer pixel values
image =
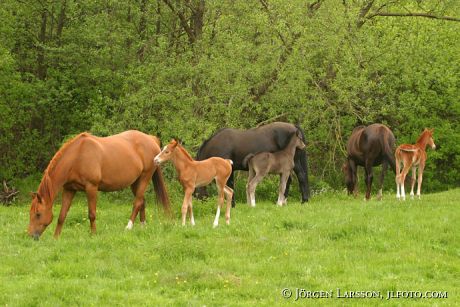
(332, 242)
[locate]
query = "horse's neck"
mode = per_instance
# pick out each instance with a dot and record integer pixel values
(422, 143)
(180, 161)
(54, 180)
(49, 188)
(290, 148)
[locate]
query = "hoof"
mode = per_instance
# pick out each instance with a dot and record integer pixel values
(214, 225)
(130, 225)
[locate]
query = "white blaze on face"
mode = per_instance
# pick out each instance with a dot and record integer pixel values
(157, 159)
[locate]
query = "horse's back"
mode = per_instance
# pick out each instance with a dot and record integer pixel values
(236, 144)
(116, 161)
(374, 142)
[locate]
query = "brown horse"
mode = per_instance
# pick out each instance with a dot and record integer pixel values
(91, 164)
(194, 174)
(368, 146)
(412, 156)
(280, 162)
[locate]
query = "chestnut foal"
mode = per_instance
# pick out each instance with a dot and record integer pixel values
(412, 156)
(194, 174)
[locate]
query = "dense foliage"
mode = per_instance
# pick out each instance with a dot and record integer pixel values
(188, 67)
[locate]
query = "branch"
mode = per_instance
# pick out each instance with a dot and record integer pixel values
(314, 6)
(426, 15)
(183, 21)
(363, 12)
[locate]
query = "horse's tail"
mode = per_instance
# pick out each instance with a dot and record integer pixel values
(247, 159)
(388, 147)
(398, 163)
(160, 190)
(302, 156)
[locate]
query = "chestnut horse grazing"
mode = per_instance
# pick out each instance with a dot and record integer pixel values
(91, 164)
(280, 162)
(194, 174)
(412, 156)
(368, 146)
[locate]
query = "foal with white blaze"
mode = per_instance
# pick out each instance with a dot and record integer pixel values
(194, 174)
(412, 156)
(280, 162)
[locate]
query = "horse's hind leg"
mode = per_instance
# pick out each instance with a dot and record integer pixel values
(252, 187)
(228, 193)
(369, 175)
(91, 195)
(421, 167)
(402, 178)
(138, 189)
(231, 184)
(412, 181)
(250, 176)
(67, 196)
(220, 201)
(381, 179)
(282, 187)
(398, 176)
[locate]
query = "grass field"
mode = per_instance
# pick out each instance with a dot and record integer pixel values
(332, 242)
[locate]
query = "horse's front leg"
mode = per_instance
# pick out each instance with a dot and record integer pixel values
(186, 202)
(190, 211)
(67, 196)
(91, 195)
(369, 176)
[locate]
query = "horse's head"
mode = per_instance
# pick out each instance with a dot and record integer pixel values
(430, 138)
(299, 142)
(346, 169)
(41, 215)
(167, 152)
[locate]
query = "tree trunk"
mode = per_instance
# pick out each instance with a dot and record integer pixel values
(41, 65)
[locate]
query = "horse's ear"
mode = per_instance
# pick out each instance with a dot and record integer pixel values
(432, 130)
(34, 194)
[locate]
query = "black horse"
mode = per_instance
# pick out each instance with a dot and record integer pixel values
(368, 146)
(236, 144)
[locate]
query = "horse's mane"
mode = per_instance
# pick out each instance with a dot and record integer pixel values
(358, 128)
(207, 140)
(61, 150)
(45, 184)
(185, 152)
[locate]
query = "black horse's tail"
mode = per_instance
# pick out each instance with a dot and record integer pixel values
(246, 160)
(302, 156)
(388, 140)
